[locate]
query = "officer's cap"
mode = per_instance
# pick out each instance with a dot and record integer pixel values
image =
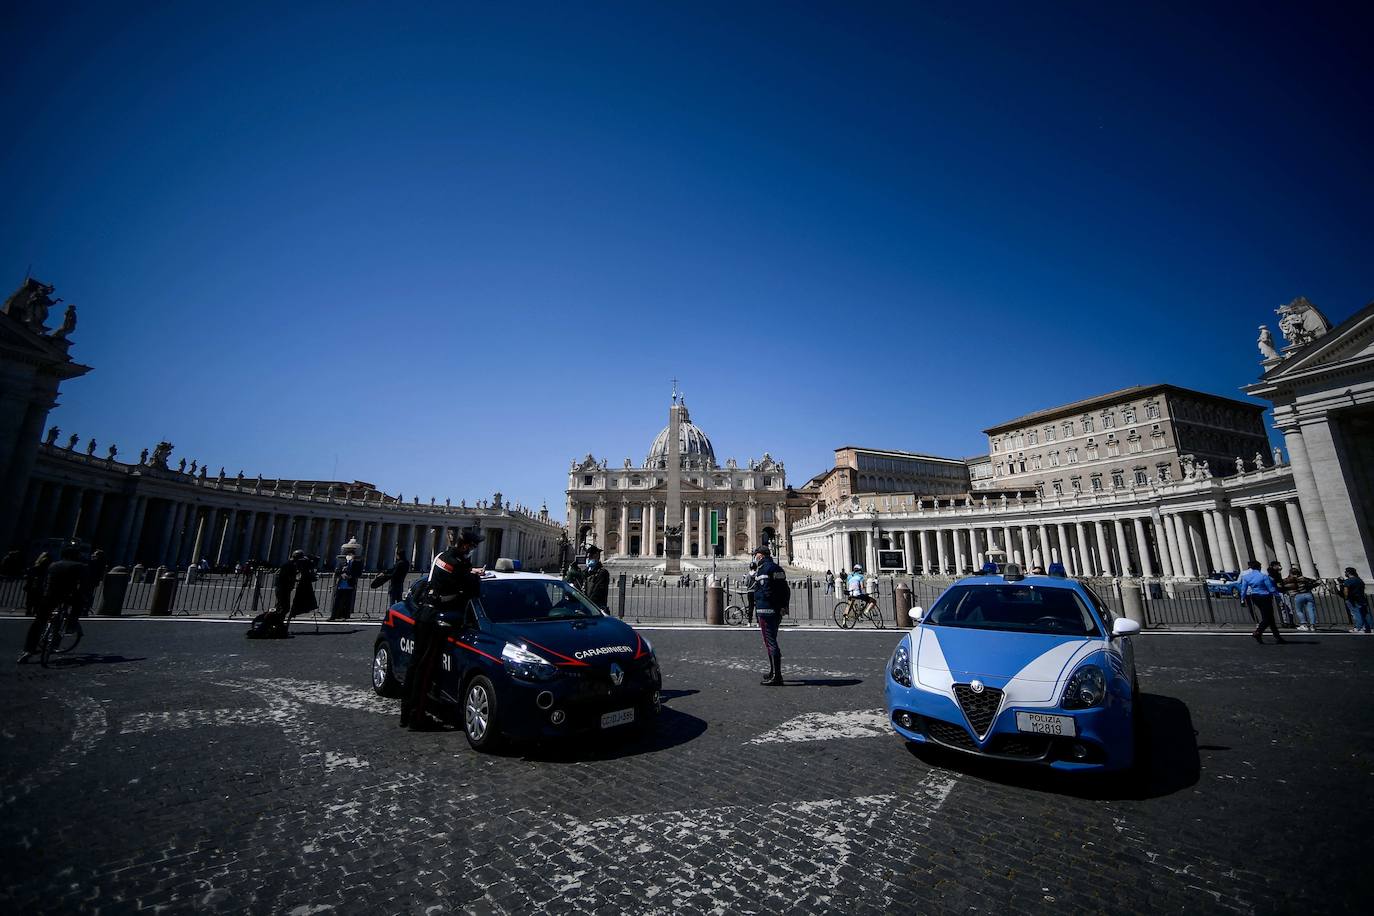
(298, 554)
(761, 550)
(470, 536)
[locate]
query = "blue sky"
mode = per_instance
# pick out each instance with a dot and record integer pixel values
(446, 249)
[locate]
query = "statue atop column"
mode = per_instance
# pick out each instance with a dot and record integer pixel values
(143, 457)
(111, 452)
(181, 466)
(203, 469)
(1301, 322)
(53, 433)
(193, 467)
(1259, 461)
(1266, 345)
(1278, 457)
(71, 442)
(68, 324)
(161, 453)
(30, 304)
(1240, 465)
(90, 447)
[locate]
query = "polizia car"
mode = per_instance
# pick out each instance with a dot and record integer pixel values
(532, 658)
(1035, 670)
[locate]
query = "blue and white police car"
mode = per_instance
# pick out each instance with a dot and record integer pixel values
(532, 658)
(1028, 669)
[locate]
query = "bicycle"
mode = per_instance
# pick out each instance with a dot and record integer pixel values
(851, 610)
(61, 634)
(736, 615)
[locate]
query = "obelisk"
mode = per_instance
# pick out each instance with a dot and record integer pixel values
(672, 518)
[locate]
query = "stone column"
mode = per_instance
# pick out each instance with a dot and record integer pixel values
(93, 517)
(1043, 554)
(1213, 542)
(599, 519)
(1185, 547)
(171, 517)
(649, 536)
(127, 543)
(1320, 542)
(1142, 544)
(372, 535)
(871, 553)
(925, 553)
(71, 511)
(1226, 554)
(730, 529)
(1169, 553)
(909, 551)
(1104, 556)
(624, 526)
(136, 529)
(1062, 530)
(1083, 564)
(753, 523)
(1256, 535)
(847, 550)
(1300, 542)
(1123, 551)
(1271, 514)
(1028, 552)
(940, 551)
(1194, 534)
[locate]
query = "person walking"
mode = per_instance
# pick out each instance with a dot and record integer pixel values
(63, 583)
(1298, 589)
(396, 577)
(596, 585)
(1357, 601)
(829, 582)
(1258, 591)
(453, 581)
(1282, 606)
(770, 603)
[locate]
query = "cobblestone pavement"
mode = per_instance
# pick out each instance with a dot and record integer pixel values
(174, 765)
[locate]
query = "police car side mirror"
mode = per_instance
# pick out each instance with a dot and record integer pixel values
(1125, 627)
(916, 614)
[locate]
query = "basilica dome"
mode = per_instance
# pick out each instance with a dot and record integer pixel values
(692, 443)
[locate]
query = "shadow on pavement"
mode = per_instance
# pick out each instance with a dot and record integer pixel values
(672, 729)
(666, 695)
(822, 682)
(83, 659)
(330, 632)
(1167, 760)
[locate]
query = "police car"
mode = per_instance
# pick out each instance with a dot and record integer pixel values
(532, 658)
(1033, 670)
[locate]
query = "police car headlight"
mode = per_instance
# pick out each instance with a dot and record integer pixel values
(1087, 687)
(900, 666)
(522, 663)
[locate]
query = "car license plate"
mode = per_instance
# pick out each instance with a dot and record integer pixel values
(619, 717)
(1045, 724)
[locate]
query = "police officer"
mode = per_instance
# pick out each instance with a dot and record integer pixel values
(452, 583)
(769, 605)
(64, 583)
(596, 585)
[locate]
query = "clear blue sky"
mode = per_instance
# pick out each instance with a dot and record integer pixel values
(448, 250)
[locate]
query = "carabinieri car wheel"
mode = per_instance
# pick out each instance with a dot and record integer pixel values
(479, 714)
(383, 680)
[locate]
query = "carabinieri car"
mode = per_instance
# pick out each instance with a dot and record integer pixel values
(533, 658)
(1034, 670)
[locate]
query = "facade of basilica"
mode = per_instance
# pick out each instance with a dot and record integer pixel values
(623, 510)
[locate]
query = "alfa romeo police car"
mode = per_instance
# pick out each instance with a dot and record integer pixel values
(533, 658)
(1034, 670)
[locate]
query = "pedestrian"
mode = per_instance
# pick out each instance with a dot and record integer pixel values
(395, 577)
(1357, 601)
(1298, 589)
(1258, 591)
(62, 584)
(452, 583)
(303, 601)
(1281, 603)
(829, 582)
(346, 587)
(95, 574)
(770, 604)
(597, 583)
(33, 583)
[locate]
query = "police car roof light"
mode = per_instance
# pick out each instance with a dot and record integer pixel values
(504, 564)
(1012, 573)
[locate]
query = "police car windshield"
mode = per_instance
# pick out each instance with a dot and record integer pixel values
(1018, 608)
(521, 600)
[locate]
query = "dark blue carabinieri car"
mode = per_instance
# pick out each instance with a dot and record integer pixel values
(532, 658)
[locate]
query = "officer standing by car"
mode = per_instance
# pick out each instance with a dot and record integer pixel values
(452, 583)
(770, 603)
(596, 585)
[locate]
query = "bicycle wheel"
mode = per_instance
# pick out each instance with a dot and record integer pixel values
(52, 636)
(70, 634)
(734, 615)
(843, 619)
(875, 614)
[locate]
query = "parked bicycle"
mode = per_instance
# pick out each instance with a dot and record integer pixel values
(852, 610)
(743, 612)
(61, 634)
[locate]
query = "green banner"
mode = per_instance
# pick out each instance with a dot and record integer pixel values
(715, 527)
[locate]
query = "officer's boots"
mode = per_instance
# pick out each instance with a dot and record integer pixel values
(774, 678)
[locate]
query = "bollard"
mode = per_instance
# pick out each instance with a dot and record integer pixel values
(1132, 601)
(112, 598)
(715, 605)
(164, 593)
(902, 598)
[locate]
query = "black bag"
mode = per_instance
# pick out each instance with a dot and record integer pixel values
(268, 625)
(380, 579)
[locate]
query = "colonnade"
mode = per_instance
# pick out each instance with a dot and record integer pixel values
(1182, 541)
(634, 528)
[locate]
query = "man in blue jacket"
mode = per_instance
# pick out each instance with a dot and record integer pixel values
(1258, 589)
(770, 603)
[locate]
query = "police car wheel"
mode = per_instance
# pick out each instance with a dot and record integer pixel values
(383, 679)
(479, 714)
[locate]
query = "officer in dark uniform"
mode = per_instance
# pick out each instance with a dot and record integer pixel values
(452, 583)
(285, 583)
(596, 585)
(64, 583)
(769, 605)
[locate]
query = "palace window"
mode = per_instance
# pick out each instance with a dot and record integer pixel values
(1035, 462)
(1087, 424)
(1097, 483)
(1108, 421)
(1068, 428)
(1077, 484)
(636, 513)
(1133, 443)
(1039, 491)
(636, 480)
(1059, 488)
(767, 515)
(1141, 478)
(1152, 410)
(586, 513)
(1049, 433)
(1054, 459)
(996, 446)
(1073, 456)
(1128, 415)
(1165, 472)
(1092, 450)
(1032, 438)
(1113, 448)
(767, 482)
(586, 480)
(1118, 479)
(614, 483)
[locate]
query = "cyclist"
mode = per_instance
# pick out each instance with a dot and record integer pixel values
(64, 583)
(855, 585)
